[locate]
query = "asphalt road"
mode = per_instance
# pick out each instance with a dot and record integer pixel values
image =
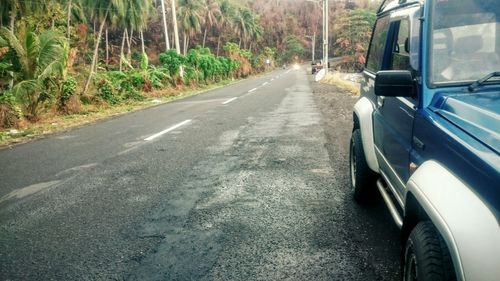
(246, 182)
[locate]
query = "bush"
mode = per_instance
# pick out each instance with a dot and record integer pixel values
(172, 61)
(68, 100)
(9, 112)
(106, 92)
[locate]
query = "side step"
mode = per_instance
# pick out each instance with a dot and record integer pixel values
(390, 204)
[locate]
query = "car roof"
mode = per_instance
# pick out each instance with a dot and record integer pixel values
(388, 5)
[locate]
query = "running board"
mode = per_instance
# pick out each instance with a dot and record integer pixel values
(390, 204)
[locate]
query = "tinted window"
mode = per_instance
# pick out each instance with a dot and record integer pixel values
(401, 47)
(379, 38)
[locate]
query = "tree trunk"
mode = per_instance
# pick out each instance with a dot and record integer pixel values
(13, 15)
(107, 46)
(205, 37)
(176, 30)
(96, 52)
(122, 54)
(167, 42)
(239, 45)
(68, 20)
(142, 42)
(218, 45)
(129, 45)
(184, 45)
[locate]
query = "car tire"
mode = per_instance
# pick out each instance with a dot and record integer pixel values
(426, 256)
(362, 178)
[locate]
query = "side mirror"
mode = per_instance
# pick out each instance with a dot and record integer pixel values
(394, 83)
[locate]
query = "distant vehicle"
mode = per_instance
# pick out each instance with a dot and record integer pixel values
(315, 67)
(426, 134)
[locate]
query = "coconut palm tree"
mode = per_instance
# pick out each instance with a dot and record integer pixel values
(244, 24)
(211, 13)
(165, 28)
(100, 11)
(136, 15)
(40, 60)
(225, 20)
(190, 11)
(176, 29)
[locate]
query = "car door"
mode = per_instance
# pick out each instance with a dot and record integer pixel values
(393, 116)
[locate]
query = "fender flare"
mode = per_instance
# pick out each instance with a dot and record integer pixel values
(469, 228)
(363, 109)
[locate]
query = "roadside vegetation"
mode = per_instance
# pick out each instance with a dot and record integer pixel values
(81, 59)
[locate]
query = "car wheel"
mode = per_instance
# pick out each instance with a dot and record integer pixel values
(362, 177)
(426, 256)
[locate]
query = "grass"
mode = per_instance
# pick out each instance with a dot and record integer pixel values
(52, 122)
(336, 79)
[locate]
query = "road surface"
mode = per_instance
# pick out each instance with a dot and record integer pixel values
(246, 182)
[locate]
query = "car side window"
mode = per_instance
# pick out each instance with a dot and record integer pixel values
(377, 46)
(400, 57)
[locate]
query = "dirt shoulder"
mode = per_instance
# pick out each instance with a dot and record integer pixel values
(368, 232)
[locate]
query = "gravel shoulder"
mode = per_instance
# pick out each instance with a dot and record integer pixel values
(368, 231)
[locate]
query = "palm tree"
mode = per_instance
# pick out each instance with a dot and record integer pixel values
(164, 14)
(99, 11)
(245, 23)
(211, 11)
(176, 29)
(190, 13)
(137, 13)
(225, 17)
(40, 60)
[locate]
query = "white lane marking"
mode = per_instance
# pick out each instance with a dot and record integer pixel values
(230, 100)
(252, 90)
(272, 79)
(265, 83)
(167, 130)
(287, 71)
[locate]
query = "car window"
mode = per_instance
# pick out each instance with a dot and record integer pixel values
(377, 46)
(400, 57)
(465, 40)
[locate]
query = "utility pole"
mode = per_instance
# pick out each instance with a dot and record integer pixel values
(314, 46)
(325, 35)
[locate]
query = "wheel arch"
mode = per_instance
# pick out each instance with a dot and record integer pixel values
(469, 228)
(362, 120)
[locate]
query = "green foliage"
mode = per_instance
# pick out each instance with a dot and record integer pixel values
(293, 49)
(106, 91)
(69, 87)
(353, 30)
(159, 77)
(144, 62)
(172, 61)
(38, 64)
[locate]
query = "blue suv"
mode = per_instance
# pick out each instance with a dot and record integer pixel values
(426, 134)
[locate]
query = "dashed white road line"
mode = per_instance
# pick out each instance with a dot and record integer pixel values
(252, 90)
(272, 79)
(167, 130)
(230, 100)
(265, 83)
